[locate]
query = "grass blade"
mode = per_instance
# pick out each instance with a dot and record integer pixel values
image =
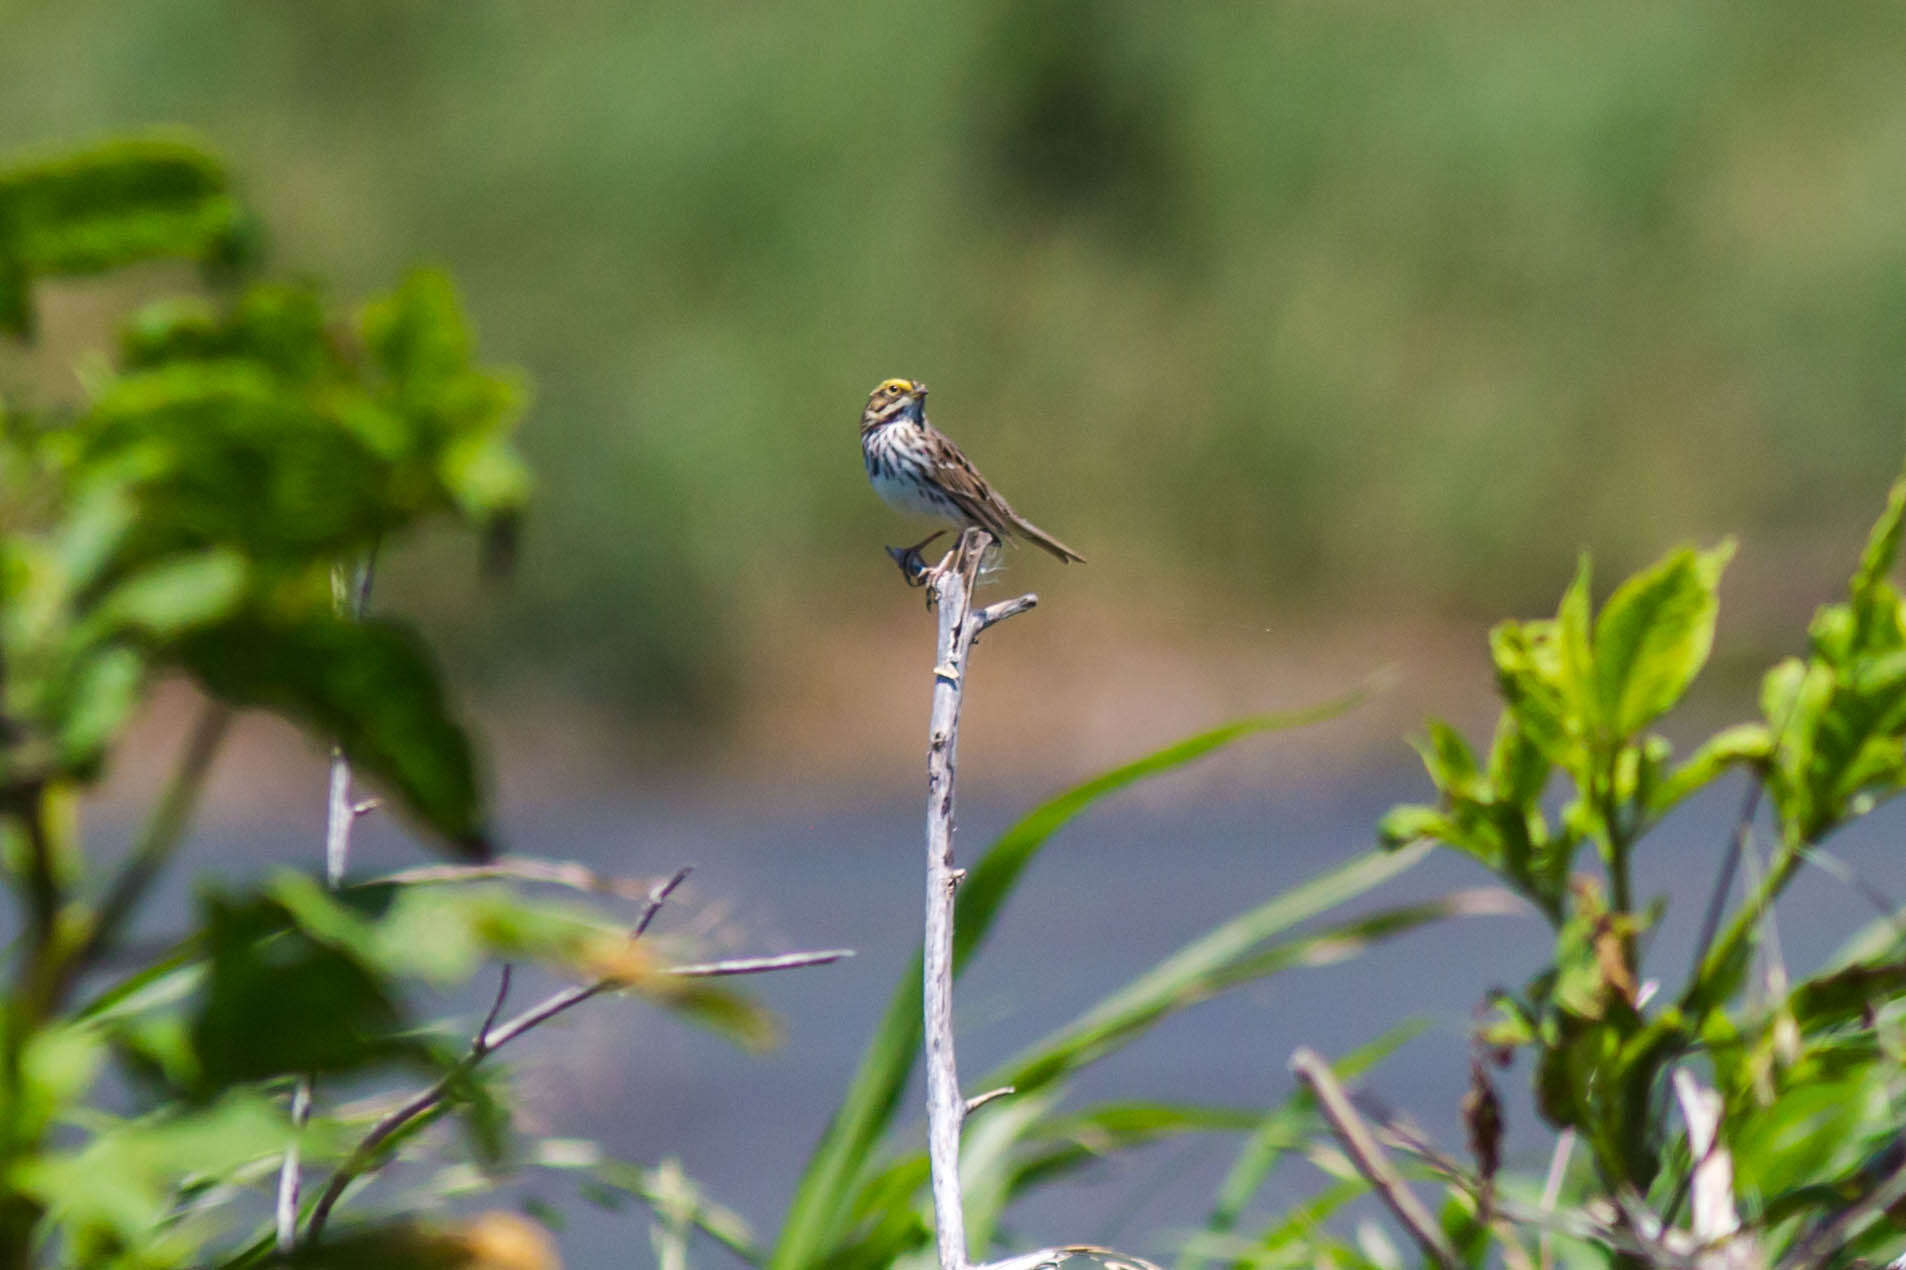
(818, 1219)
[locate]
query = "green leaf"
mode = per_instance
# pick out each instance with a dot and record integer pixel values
(164, 600)
(1575, 655)
(1236, 953)
(226, 453)
(1412, 822)
(1449, 760)
(1654, 635)
(1741, 745)
(1871, 593)
(92, 704)
(417, 333)
(1518, 770)
(280, 326)
(1528, 672)
(278, 1002)
(110, 206)
(120, 1188)
(370, 685)
(817, 1221)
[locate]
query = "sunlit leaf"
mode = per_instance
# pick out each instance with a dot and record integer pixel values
(1653, 637)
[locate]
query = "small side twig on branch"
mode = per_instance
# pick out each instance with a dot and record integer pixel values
(1361, 1144)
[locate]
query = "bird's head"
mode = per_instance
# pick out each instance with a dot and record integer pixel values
(895, 399)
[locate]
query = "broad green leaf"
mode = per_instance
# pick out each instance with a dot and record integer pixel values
(225, 453)
(278, 1002)
(1872, 596)
(818, 1218)
(1528, 672)
(1654, 635)
(281, 326)
(109, 206)
(1575, 656)
(1518, 771)
(418, 333)
(120, 1187)
(370, 685)
(166, 599)
(92, 704)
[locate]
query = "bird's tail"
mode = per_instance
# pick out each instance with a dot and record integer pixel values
(1032, 533)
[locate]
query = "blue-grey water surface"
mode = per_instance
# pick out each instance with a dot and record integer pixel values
(1120, 888)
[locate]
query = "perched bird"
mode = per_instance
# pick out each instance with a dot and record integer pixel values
(918, 470)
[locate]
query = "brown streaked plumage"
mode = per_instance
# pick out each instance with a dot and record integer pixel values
(915, 468)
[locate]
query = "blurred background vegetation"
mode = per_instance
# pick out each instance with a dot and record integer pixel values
(1280, 310)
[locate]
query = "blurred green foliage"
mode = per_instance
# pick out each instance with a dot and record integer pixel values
(1296, 303)
(193, 512)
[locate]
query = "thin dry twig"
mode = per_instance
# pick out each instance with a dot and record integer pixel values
(1052, 1258)
(350, 596)
(488, 1039)
(520, 868)
(163, 832)
(1716, 1222)
(1552, 1191)
(992, 1095)
(492, 1036)
(959, 625)
(290, 1175)
(1739, 843)
(1370, 1161)
(760, 965)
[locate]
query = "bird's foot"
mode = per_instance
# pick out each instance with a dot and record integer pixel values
(912, 565)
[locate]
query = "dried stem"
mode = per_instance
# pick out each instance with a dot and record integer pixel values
(162, 835)
(1739, 844)
(759, 965)
(290, 1177)
(1552, 1191)
(567, 873)
(350, 596)
(1370, 1160)
(960, 624)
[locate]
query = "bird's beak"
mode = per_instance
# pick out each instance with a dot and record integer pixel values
(920, 390)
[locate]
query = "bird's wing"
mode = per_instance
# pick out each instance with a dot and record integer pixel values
(963, 483)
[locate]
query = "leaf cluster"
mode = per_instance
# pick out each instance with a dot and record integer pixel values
(198, 514)
(1574, 761)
